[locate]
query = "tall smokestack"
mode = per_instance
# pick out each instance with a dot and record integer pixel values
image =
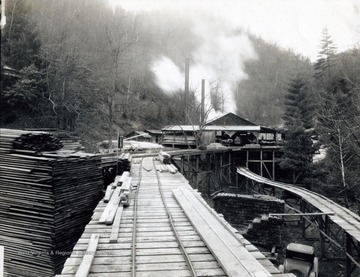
(186, 99)
(202, 112)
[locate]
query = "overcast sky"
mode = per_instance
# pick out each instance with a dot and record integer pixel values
(295, 24)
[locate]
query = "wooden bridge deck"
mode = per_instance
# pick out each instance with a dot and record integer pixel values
(167, 230)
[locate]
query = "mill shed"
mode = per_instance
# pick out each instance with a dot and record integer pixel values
(229, 129)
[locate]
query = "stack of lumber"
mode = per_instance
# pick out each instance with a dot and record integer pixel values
(69, 140)
(46, 199)
(25, 140)
(133, 145)
(110, 160)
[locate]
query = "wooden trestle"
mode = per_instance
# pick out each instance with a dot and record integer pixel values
(167, 230)
(338, 227)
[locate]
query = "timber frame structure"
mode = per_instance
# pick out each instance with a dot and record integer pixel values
(338, 227)
(206, 170)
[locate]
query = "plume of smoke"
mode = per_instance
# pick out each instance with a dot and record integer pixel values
(220, 58)
(168, 75)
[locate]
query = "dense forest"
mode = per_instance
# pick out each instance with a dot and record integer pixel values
(84, 66)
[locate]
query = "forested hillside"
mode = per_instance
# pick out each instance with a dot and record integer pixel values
(84, 67)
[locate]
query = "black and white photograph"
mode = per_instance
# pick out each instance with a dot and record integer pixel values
(180, 138)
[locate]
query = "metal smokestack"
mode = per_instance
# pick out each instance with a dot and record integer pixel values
(202, 112)
(186, 98)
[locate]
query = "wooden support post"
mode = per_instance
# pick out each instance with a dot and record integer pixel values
(196, 172)
(182, 165)
(237, 181)
(209, 169)
(247, 158)
(273, 163)
(221, 168)
(261, 163)
(349, 251)
(322, 227)
(229, 167)
(302, 220)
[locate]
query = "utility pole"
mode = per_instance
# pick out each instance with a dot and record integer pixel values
(202, 111)
(186, 98)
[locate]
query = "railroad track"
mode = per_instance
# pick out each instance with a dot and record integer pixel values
(164, 242)
(163, 229)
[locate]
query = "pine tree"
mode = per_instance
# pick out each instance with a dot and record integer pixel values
(298, 118)
(326, 58)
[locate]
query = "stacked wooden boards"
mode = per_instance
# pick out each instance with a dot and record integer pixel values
(46, 199)
(111, 160)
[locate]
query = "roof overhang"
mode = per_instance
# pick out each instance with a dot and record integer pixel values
(189, 128)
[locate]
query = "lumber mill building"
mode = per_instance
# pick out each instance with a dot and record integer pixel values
(229, 129)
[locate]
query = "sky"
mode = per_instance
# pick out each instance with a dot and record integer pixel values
(291, 24)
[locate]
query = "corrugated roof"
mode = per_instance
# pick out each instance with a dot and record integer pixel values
(231, 119)
(190, 128)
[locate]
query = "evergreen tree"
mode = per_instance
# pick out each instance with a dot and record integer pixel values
(326, 62)
(337, 85)
(298, 117)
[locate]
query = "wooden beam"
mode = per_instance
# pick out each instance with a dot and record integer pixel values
(108, 193)
(88, 257)
(230, 253)
(300, 214)
(113, 203)
(116, 226)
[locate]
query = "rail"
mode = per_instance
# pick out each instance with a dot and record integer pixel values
(172, 224)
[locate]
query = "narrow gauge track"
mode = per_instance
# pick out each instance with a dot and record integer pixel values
(164, 242)
(342, 216)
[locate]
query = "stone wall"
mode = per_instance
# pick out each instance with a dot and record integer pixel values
(252, 211)
(239, 209)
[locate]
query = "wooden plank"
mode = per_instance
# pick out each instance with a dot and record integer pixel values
(233, 257)
(126, 185)
(86, 263)
(108, 193)
(116, 225)
(114, 198)
(121, 179)
(113, 209)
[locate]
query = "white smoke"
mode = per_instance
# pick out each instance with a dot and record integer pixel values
(168, 76)
(220, 57)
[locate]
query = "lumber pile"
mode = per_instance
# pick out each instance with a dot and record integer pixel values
(70, 141)
(110, 160)
(25, 140)
(46, 199)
